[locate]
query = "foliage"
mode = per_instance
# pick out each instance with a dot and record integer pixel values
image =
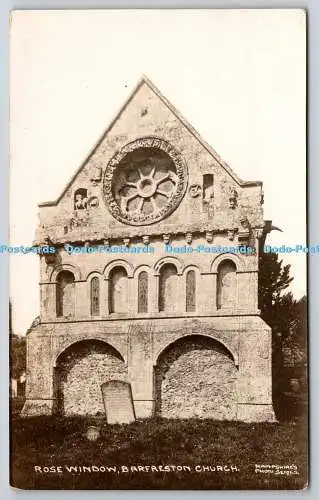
(17, 355)
(286, 316)
(288, 319)
(273, 279)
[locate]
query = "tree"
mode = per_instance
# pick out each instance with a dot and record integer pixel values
(17, 350)
(273, 279)
(288, 319)
(17, 356)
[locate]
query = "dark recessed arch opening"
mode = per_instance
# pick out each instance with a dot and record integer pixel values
(195, 376)
(80, 371)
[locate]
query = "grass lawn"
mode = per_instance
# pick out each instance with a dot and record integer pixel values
(49, 442)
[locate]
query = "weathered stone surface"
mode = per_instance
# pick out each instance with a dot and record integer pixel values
(162, 122)
(196, 377)
(118, 403)
(34, 407)
(256, 413)
(79, 374)
(148, 298)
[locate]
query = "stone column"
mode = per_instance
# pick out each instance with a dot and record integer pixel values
(82, 299)
(242, 301)
(248, 292)
(181, 291)
(203, 294)
(253, 291)
(154, 293)
(131, 296)
(206, 293)
(48, 301)
(255, 376)
(140, 369)
(106, 296)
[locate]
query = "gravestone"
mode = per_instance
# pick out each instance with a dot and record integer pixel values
(118, 402)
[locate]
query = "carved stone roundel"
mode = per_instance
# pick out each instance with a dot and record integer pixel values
(145, 181)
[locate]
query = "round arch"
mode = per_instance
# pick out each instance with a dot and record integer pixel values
(94, 274)
(168, 260)
(236, 259)
(118, 263)
(75, 270)
(214, 338)
(80, 370)
(95, 338)
(195, 377)
(191, 267)
(140, 268)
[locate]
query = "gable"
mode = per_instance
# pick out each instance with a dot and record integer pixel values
(209, 192)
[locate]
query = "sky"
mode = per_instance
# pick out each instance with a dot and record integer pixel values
(239, 77)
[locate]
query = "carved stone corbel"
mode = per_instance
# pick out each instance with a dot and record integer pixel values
(231, 234)
(146, 240)
(209, 236)
(188, 238)
(243, 231)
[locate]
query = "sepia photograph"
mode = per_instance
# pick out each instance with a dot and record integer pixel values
(158, 250)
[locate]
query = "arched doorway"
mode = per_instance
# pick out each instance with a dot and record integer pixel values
(196, 377)
(79, 374)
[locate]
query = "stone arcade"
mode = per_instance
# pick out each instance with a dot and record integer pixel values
(184, 331)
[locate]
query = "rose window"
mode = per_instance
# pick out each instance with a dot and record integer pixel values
(146, 184)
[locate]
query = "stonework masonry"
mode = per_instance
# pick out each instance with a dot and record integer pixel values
(183, 329)
(198, 362)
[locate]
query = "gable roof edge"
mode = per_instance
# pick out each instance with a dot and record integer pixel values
(194, 132)
(190, 128)
(95, 146)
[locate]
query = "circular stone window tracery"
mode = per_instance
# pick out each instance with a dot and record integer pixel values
(145, 181)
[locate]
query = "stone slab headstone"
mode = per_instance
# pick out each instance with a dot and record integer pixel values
(118, 402)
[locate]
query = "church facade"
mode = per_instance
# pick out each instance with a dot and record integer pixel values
(154, 281)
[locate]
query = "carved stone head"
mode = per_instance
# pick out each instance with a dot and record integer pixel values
(166, 238)
(189, 238)
(146, 240)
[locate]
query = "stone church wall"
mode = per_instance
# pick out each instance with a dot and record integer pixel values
(196, 377)
(231, 200)
(79, 374)
(153, 185)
